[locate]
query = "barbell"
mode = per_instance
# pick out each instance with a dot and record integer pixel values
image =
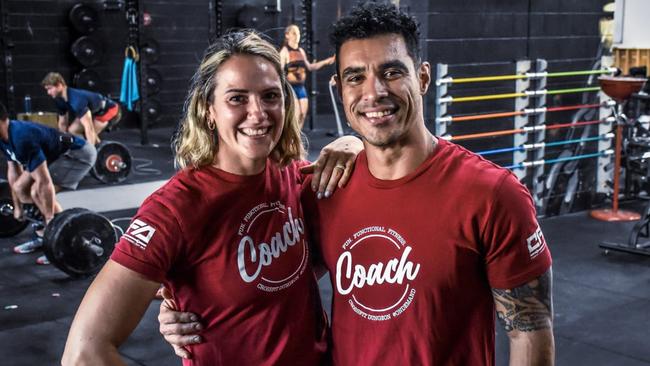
(77, 241)
(113, 162)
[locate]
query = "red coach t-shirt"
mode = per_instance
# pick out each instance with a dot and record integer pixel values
(412, 261)
(233, 250)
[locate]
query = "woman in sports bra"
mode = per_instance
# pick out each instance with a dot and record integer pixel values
(295, 63)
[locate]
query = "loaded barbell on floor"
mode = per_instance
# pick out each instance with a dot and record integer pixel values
(113, 162)
(77, 241)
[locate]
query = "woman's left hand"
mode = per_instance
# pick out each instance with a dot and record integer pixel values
(334, 165)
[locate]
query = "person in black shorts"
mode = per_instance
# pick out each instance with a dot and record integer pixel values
(90, 113)
(40, 162)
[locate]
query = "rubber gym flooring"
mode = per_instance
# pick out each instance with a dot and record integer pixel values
(602, 302)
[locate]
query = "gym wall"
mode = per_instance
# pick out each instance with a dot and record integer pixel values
(42, 34)
(565, 32)
(481, 38)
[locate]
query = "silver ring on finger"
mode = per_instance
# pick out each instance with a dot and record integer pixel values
(339, 166)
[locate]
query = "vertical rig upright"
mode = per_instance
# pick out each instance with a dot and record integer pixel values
(442, 120)
(538, 118)
(521, 103)
(218, 8)
(133, 10)
(307, 31)
(605, 162)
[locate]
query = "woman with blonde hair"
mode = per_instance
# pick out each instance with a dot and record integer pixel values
(295, 63)
(226, 234)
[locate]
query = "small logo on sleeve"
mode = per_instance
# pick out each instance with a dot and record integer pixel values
(139, 233)
(12, 156)
(536, 243)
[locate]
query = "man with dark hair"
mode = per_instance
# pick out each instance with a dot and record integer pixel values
(428, 240)
(40, 162)
(91, 112)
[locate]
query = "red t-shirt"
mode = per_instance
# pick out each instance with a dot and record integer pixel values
(412, 261)
(233, 250)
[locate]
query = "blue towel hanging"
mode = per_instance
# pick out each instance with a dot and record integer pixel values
(129, 92)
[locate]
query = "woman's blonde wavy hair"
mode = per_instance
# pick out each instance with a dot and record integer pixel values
(195, 145)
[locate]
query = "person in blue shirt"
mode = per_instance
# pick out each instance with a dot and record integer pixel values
(81, 112)
(40, 162)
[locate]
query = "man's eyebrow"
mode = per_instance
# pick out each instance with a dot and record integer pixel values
(397, 64)
(235, 90)
(353, 70)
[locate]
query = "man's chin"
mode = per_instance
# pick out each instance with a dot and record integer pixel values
(381, 141)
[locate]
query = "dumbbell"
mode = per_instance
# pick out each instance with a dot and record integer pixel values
(77, 241)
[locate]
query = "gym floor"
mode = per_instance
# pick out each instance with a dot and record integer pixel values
(602, 302)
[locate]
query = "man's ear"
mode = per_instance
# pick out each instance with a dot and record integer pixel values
(424, 77)
(337, 83)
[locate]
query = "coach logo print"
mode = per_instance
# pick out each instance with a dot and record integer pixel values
(257, 255)
(377, 273)
(379, 289)
(536, 243)
(139, 233)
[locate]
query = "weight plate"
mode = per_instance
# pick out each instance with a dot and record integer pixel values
(87, 79)
(149, 51)
(113, 162)
(8, 225)
(152, 109)
(83, 18)
(87, 50)
(79, 241)
(153, 81)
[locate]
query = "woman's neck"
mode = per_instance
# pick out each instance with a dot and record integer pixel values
(239, 166)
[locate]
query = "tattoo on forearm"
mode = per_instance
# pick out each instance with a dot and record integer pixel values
(526, 308)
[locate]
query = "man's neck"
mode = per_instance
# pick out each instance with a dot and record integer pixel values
(64, 94)
(401, 158)
(293, 45)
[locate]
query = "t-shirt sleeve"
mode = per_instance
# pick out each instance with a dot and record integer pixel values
(516, 251)
(30, 152)
(152, 242)
(36, 158)
(79, 107)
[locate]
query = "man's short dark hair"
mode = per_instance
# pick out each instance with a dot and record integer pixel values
(3, 112)
(369, 19)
